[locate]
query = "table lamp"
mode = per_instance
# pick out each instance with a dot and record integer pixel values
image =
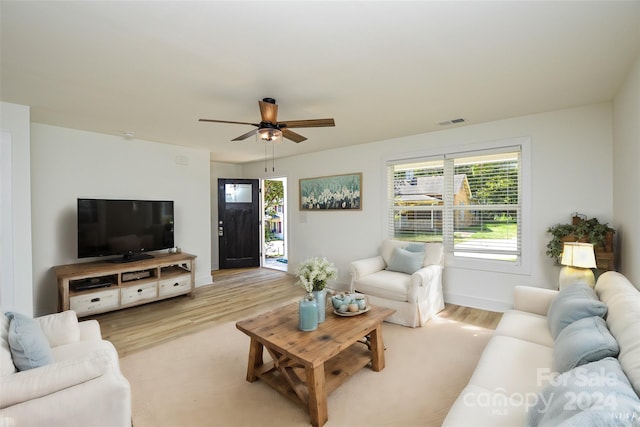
(578, 260)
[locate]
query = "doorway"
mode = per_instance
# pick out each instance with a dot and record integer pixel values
(274, 228)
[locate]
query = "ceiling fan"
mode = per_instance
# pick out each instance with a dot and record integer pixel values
(270, 128)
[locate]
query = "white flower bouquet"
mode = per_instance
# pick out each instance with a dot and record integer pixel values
(313, 273)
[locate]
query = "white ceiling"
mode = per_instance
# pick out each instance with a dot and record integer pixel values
(381, 69)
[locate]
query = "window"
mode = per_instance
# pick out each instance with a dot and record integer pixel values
(469, 200)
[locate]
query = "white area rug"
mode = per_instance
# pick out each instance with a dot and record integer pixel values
(199, 380)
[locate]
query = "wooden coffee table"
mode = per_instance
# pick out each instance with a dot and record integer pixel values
(307, 366)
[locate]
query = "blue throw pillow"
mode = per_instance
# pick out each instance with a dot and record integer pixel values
(572, 303)
(404, 261)
(415, 247)
(585, 340)
(595, 394)
(29, 346)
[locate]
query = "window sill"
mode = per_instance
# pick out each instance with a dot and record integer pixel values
(483, 264)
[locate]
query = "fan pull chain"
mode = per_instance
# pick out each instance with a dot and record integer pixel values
(273, 156)
(265, 156)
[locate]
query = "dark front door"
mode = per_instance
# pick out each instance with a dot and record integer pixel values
(239, 223)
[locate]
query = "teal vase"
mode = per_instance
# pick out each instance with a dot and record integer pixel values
(308, 315)
(321, 302)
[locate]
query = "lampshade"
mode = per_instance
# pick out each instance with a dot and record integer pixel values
(577, 254)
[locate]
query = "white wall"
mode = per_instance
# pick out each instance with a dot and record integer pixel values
(16, 290)
(568, 146)
(626, 173)
(219, 170)
(67, 164)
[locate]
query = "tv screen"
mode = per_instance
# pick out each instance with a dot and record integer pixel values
(124, 227)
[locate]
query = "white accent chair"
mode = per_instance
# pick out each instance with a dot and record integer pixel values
(389, 280)
(82, 386)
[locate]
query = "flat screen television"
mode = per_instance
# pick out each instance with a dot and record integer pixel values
(128, 228)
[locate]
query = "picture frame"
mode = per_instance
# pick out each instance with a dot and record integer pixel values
(333, 192)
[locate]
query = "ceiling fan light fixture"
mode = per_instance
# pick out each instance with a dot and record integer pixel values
(269, 134)
(269, 129)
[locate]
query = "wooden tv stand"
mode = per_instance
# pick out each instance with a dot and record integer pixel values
(102, 286)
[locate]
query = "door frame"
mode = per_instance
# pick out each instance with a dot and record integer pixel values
(285, 221)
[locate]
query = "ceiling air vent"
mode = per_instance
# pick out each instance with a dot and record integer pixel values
(452, 122)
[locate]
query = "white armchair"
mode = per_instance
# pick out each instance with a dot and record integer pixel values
(406, 277)
(81, 384)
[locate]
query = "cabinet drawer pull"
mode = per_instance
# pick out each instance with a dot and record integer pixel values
(139, 291)
(95, 300)
(176, 284)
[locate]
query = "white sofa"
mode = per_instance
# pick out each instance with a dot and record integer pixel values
(406, 277)
(82, 386)
(517, 383)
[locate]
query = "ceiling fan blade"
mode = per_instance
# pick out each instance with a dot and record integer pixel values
(268, 111)
(295, 137)
(246, 135)
(227, 121)
(313, 123)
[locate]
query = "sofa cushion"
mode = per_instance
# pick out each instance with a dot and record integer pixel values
(533, 300)
(525, 326)
(573, 303)
(583, 341)
(404, 261)
(595, 394)
(623, 318)
(520, 372)
(29, 346)
(385, 284)
(60, 328)
(415, 247)
(433, 251)
(433, 254)
(481, 407)
(82, 348)
(578, 290)
(6, 362)
(388, 246)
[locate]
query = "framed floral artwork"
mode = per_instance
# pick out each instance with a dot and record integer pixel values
(335, 192)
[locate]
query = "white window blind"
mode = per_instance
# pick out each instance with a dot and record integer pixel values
(415, 208)
(470, 201)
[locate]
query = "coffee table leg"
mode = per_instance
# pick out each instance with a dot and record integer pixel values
(377, 349)
(317, 396)
(255, 360)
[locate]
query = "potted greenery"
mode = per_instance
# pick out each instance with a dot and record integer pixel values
(580, 230)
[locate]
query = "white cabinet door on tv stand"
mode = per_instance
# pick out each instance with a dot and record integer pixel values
(101, 286)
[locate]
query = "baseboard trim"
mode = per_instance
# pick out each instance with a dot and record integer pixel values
(204, 280)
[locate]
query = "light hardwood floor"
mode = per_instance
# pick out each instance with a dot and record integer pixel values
(234, 294)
